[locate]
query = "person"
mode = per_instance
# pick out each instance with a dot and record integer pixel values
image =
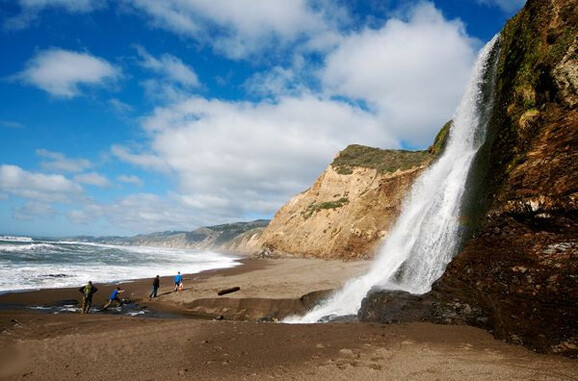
(179, 282)
(87, 292)
(114, 298)
(156, 284)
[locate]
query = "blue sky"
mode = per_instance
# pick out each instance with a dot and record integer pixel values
(132, 116)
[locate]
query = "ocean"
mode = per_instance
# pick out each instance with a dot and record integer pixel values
(31, 264)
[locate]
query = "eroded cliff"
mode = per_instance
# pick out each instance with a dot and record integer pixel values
(351, 206)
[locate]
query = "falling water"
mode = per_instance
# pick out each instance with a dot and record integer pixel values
(427, 233)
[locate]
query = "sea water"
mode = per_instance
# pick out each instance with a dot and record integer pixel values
(427, 233)
(29, 264)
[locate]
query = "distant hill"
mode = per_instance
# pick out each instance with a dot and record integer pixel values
(233, 237)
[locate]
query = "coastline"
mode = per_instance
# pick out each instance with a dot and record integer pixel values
(95, 346)
(135, 289)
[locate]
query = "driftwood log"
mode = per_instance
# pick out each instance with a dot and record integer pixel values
(228, 290)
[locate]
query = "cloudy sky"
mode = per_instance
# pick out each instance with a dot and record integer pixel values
(130, 116)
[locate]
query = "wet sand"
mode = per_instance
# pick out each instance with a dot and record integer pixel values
(108, 346)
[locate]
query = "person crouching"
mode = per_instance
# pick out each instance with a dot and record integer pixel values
(114, 298)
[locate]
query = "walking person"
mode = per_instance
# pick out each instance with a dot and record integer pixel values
(87, 292)
(179, 282)
(155, 289)
(114, 298)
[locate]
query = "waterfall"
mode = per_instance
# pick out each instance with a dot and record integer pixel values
(427, 233)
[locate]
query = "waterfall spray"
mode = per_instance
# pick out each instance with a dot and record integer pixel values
(427, 233)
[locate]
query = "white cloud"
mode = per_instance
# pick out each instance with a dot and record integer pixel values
(59, 162)
(30, 9)
(236, 158)
(140, 213)
(88, 214)
(130, 179)
(146, 160)
(276, 82)
(149, 212)
(174, 80)
(33, 209)
(73, 6)
(508, 6)
(37, 186)
(241, 28)
(120, 107)
(412, 73)
(170, 67)
(93, 178)
(62, 73)
(10, 124)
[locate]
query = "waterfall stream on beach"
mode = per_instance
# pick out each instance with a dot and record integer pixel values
(427, 233)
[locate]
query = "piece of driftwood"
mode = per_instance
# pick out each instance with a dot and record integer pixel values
(228, 290)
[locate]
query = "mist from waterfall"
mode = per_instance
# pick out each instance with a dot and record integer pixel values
(427, 233)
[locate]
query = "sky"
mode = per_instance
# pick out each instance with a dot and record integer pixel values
(133, 116)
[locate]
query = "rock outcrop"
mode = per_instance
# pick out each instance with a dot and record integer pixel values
(350, 207)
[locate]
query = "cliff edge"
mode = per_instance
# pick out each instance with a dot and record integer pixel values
(350, 207)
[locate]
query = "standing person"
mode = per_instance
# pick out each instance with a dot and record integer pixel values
(114, 298)
(179, 282)
(87, 292)
(156, 284)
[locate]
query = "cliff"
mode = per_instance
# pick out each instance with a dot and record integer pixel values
(521, 268)
(518, 274)
(350, 207)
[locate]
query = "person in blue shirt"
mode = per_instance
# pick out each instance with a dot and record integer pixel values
(179, 282)
(114, 298)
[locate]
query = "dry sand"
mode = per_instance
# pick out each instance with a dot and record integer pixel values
(106, 346)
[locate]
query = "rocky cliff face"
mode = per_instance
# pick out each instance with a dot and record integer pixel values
(351, 206)
(521, 268)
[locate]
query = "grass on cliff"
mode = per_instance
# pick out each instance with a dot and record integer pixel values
(315, 207)
(531, 48)
(383, 161)
(388, 160)
(528, 57)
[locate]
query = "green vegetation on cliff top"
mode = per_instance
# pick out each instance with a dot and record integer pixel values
(388, 160)
(383, 161)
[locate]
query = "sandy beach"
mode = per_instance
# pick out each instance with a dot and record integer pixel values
(203, 335)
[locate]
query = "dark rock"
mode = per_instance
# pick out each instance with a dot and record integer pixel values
(402, 307)
(340, 319)
(395, 307)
